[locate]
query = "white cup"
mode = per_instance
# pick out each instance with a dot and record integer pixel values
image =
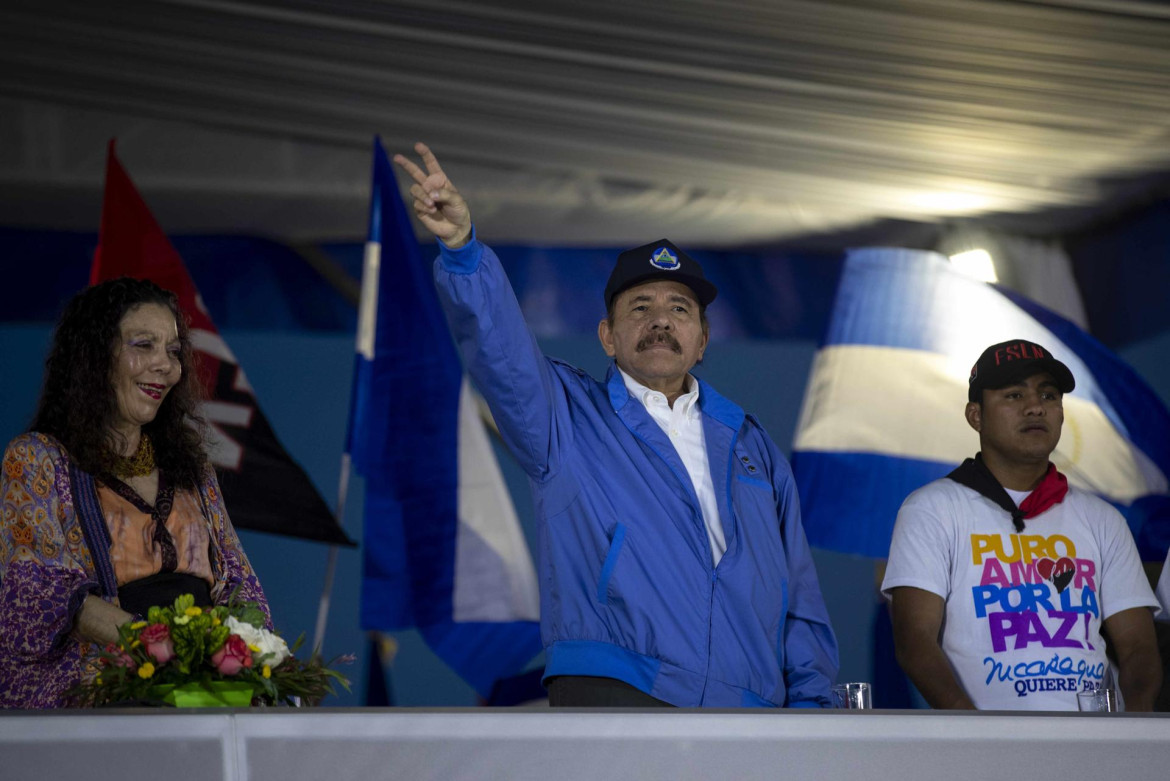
(851, 696)
(1103, 700)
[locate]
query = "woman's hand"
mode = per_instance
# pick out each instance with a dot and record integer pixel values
(98, 621)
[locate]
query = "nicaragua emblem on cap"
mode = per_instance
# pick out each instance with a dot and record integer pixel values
(664, 259)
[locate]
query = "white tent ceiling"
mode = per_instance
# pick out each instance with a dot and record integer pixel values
(601, 122)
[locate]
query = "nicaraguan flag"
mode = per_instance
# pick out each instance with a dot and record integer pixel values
(443, 550)
(883, 411)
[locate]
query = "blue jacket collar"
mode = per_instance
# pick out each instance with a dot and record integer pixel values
(721, 409)
(616, 386)
(711, 403)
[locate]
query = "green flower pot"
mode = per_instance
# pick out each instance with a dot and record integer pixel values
(217, 694)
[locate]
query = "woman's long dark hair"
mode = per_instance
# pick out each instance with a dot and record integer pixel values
(78, 403)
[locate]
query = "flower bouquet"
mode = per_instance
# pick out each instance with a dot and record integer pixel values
(191, 656)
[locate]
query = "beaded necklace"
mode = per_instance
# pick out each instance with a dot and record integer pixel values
(138, 465)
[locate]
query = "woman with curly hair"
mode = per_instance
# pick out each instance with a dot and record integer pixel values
(110, 505)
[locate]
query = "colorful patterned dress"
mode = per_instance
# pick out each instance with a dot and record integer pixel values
(50, 561)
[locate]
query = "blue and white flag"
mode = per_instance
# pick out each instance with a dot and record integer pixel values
(883, 411)
(443, 549)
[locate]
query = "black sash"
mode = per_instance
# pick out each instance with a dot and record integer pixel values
(140, 595)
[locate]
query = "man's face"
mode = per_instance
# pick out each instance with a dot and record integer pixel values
(656, 335)
(1020, 424)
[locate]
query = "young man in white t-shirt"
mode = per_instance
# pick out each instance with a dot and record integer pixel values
(1003, 578)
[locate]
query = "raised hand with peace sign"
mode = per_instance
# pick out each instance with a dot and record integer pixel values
(438, 205)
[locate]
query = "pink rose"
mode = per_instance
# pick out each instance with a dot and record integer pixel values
(121, 658)
(157, 639)
(233, 656)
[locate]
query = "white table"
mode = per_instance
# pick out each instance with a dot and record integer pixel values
(538, 744)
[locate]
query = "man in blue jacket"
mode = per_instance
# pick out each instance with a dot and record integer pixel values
(673, 566)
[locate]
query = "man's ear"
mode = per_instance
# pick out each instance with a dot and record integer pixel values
(974, 415)
(605, 336)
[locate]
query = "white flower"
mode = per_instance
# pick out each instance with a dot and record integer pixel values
(272, 648)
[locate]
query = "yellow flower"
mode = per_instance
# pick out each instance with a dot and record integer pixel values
(193, 611)
(254, 649)
(215, 621)
(146, 670)
(138, 625)
(136, 643)
(266, 672)
(97, 679)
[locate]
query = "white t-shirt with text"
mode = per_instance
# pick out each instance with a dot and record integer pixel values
(1022, 628)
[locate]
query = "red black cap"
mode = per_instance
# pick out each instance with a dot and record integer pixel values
(658, 260)
(1009, 362)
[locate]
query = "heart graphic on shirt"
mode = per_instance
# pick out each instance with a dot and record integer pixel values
(1060, 572)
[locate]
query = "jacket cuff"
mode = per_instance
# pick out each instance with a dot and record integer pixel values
(464, 260)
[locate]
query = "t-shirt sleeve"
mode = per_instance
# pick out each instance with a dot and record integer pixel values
(1164, 591)
(1123, 583)
(922, 548)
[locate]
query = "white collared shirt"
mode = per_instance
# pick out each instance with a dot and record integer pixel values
(683, 425)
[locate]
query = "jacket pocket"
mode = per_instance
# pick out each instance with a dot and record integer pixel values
(615, 548)
(757, 482)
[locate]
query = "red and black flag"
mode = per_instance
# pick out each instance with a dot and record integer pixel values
(264, 488)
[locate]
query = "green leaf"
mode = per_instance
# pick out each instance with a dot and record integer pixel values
(251, 614)
(182, 602)
(217, 637)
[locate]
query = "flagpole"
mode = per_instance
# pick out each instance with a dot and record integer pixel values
(331, 560)
(367, 304)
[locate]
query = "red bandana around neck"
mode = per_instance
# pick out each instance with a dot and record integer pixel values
(1050, 490)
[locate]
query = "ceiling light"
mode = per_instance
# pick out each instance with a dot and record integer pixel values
(976, 263)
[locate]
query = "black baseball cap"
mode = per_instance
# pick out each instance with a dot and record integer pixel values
(658, 260)
(1008, 362)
